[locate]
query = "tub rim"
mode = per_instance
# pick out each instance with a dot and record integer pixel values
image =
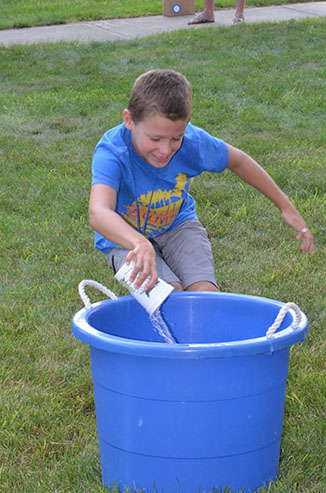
(285, 338)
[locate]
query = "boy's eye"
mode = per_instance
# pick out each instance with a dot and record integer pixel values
(157, 139)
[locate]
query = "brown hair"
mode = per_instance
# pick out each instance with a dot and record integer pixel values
(160, 91)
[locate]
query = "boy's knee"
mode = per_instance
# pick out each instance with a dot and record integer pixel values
(202, 286)
(177, 286)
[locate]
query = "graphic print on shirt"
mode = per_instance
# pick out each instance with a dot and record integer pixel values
(165, 206)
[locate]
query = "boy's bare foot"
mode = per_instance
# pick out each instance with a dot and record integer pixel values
(202, 19)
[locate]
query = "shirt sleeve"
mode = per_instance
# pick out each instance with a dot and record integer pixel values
(106, 167)
(213, 153)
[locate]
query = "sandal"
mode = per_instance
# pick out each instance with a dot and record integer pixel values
(201, 19)
(238, 19)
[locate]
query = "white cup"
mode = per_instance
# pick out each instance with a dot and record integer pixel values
(152, 299)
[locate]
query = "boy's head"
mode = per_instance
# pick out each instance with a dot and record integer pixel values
(160, 92)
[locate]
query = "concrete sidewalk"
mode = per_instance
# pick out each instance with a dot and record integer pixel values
(139, 27)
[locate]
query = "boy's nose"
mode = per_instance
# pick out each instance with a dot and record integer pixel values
(165, 148)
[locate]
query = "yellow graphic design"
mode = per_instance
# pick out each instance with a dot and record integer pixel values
(164, 207)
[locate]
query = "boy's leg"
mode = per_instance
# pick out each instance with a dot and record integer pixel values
(187, 251)
(202, 286)
(117, 257)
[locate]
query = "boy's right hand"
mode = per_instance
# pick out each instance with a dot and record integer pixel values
(144, 258)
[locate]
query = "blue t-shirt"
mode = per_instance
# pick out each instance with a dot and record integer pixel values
(156, 199)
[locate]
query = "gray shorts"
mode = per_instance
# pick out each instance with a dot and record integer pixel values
(183, 255)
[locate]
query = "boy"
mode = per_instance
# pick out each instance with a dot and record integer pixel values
(140, 207)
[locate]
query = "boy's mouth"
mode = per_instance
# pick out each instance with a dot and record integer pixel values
(163, 159)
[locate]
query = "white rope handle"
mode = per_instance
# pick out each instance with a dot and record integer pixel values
(97, 285)
(281, 315)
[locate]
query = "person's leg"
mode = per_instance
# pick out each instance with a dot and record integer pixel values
(206, 16)
(187, 251)
(202, 286)
(177, 286)
(239, 12)
(240, 6)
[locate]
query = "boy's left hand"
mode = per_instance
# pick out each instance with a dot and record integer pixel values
(308, 242)
(292, 217)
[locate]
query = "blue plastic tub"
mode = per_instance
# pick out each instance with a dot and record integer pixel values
(195, 416)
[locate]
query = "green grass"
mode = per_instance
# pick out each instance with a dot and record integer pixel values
(261, 88)
(22, 13)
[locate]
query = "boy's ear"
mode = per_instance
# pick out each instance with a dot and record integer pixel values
(127, 119)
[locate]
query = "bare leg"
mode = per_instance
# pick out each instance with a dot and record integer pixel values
(239, 17)
(206, 16)
(177, 286)
(202, 286)
(240, 6)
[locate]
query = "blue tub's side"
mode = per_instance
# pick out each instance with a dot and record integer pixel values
(188, 378)
(187, 475)
(231, 418)
(188, 417)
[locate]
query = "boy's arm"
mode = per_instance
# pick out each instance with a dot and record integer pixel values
(251, 172)
(104, 220)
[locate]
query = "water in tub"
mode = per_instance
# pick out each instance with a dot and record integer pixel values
(161, 326)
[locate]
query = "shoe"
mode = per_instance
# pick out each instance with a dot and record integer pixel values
(238, 19)
(201, 19)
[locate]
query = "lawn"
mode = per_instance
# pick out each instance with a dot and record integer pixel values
(260, 88)
(22, 13)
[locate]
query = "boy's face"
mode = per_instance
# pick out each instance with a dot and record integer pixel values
(156, 139)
